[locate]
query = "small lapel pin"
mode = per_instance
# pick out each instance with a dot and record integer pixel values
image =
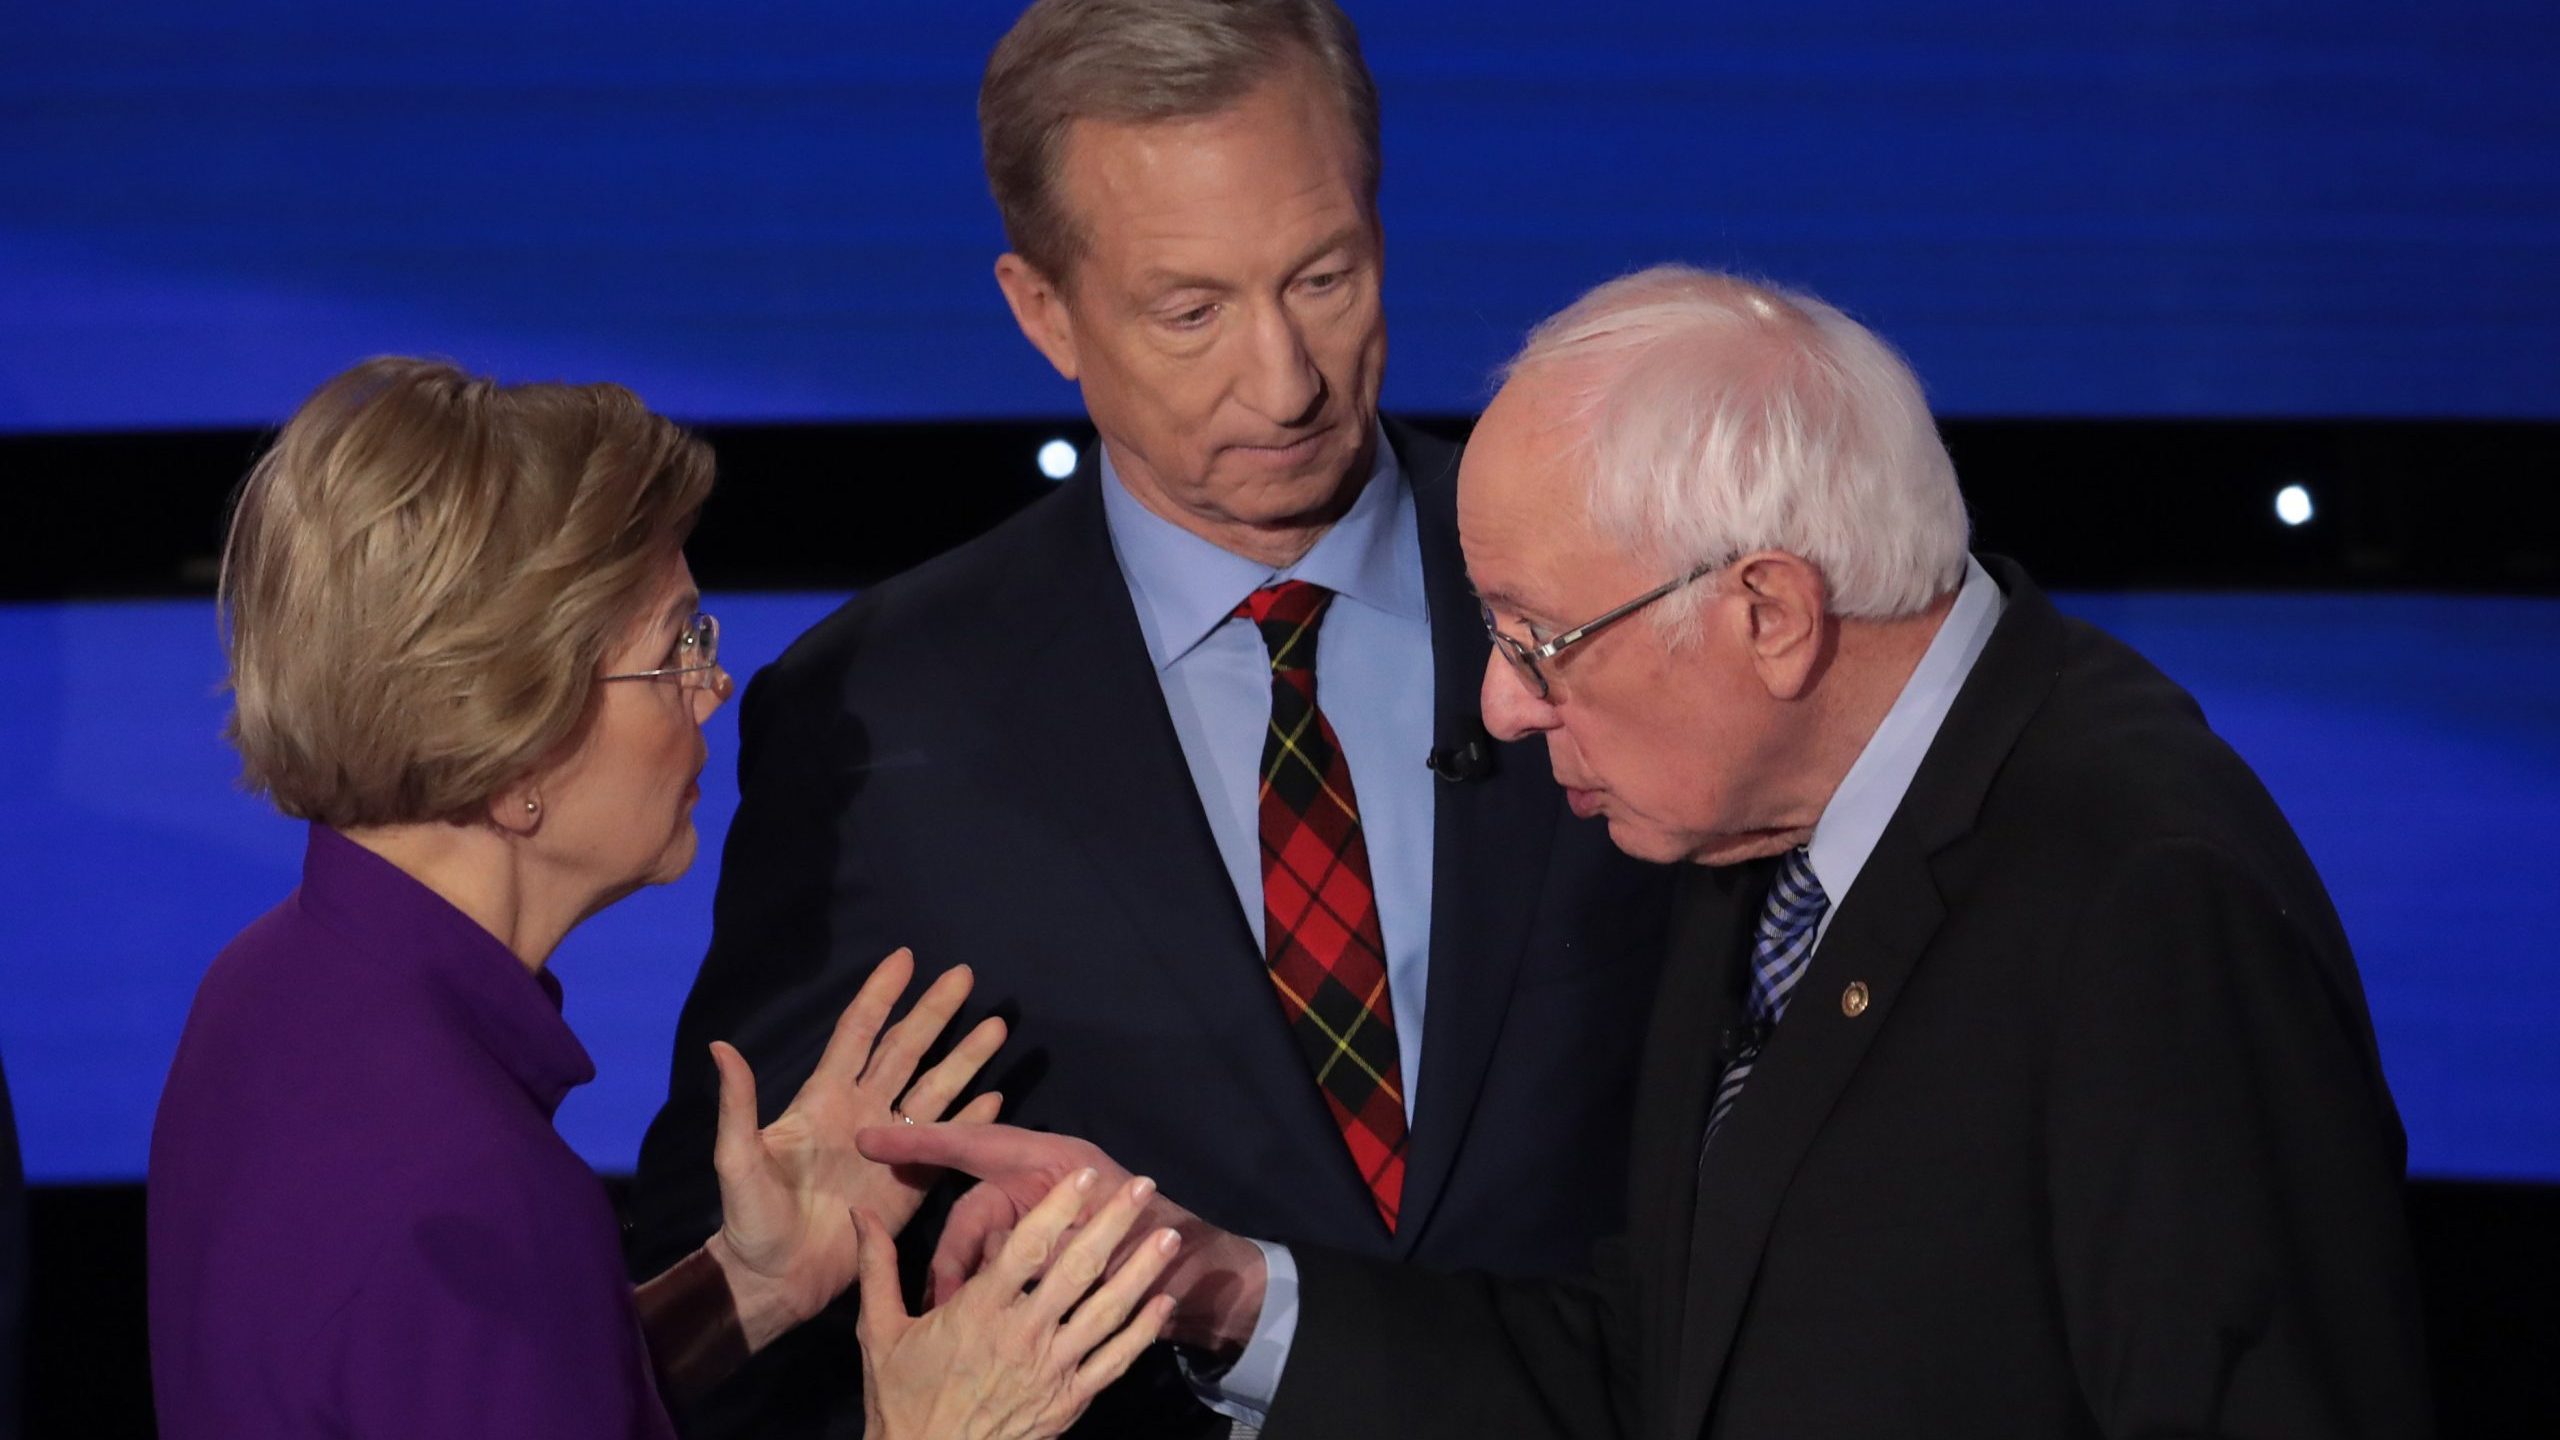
(1853, 1001)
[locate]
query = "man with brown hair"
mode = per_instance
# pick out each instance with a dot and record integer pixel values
(1151, 757)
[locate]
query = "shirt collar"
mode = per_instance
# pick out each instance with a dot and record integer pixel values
(1186, 587)
(1873, 789)
(390, 917)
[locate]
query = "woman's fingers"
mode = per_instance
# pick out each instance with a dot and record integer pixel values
(981, 1111)
(1088, 1255)
(905, 1043)
(1026, 1254)
(1120, 1293)
(1113, 1357)
(933, 1091)
(733, 1139)
(884, 1310)
(849, 1048)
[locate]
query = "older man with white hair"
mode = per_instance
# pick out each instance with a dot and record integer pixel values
(2011, 1074)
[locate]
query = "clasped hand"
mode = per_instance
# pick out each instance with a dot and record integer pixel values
(1216, 1284)
(1052, 1303)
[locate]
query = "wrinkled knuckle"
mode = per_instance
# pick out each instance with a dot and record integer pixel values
(1078, 1269)
(1026, 1250)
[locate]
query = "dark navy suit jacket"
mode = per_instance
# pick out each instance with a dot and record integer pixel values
(975, 760)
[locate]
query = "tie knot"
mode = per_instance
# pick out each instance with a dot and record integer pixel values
(1796, 901)
(1287, 614)
(1782, 949)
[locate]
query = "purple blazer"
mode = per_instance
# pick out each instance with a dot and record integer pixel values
(362, 1222)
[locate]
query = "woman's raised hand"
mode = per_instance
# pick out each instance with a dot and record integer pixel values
(788, 1191)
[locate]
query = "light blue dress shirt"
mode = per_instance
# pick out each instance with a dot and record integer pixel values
(1873, 789)
(1843, 838)
(1374, 682)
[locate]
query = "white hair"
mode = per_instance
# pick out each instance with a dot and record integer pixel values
(1716, 416)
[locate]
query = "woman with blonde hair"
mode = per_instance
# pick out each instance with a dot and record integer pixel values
(465, 647)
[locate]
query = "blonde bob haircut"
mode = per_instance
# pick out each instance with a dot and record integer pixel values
(424, 576)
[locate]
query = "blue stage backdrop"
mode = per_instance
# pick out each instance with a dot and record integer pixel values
(773, 210)
(2411, 739)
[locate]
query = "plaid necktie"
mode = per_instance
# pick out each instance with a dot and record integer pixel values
(1781, 951)
(1319, 913)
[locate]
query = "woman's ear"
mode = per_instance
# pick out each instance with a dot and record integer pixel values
(517, 810)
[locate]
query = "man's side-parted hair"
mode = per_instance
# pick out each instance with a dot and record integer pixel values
(424, 575)
(1140, 62)
(1716, 416)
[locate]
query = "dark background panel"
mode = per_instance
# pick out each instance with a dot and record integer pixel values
(2090, 504)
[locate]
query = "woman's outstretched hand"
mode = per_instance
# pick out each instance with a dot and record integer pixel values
(1022, 1348)
(788, 1191)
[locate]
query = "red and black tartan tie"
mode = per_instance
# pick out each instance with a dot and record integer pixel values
(1319, 912)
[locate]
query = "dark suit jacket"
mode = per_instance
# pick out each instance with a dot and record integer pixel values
(2108, 1152)
(975, 759)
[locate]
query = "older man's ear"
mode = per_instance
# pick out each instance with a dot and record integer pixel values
(1783, 605)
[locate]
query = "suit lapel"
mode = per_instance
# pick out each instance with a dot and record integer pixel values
(1876, 939)
(1700, 995)
(1086, 743)
(1491, 839)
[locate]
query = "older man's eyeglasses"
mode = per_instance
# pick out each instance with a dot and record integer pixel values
(1529, 659)
(696, 661)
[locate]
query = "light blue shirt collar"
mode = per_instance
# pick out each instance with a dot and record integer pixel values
(1873, 789)
(1186, 587)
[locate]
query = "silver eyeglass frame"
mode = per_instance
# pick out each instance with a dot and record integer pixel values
(702, 635)
(1526, 658)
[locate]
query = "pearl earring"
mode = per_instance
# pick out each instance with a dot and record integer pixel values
(532, 806)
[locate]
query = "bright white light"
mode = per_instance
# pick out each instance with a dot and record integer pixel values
(1058, 460)
(2293, 505)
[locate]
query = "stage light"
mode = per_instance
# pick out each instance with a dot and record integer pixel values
(2293, 505)
(1057, 459)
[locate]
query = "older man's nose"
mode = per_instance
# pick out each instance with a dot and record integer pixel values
(1510, 703)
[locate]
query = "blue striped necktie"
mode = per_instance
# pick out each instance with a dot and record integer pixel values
(1781, 951)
